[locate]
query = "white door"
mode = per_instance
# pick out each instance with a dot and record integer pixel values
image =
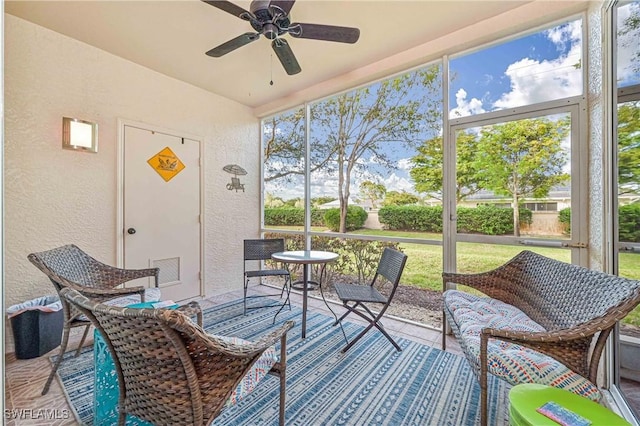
(161, 215)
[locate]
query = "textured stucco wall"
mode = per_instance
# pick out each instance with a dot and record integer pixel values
(55, 196)
(598, 234)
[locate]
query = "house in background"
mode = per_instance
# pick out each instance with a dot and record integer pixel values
(139, 71)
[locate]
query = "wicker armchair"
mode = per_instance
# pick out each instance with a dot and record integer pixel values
(68, 266)
(172, 371)
(575, 307)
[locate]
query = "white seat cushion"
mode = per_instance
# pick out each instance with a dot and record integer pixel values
(150, 295)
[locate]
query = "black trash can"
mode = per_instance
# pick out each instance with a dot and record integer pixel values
(37, 326)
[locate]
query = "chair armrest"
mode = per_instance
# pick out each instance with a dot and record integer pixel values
(572, 347)
(273, 337)
(102, 294)
(251, 348)
(192, 309)
(556, 336)
(117, 276)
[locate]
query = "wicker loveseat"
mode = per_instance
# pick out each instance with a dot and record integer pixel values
(544, 321)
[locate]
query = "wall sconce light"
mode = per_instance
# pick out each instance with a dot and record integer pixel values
(79, 135)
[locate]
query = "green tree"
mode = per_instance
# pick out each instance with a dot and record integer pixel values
(629, 148)
(272, 201)
(284, 148)
(318, 201)
(427, 171)
(353, 127)
(295, 202)
(373, 191)
(522, 158)
(395, 198)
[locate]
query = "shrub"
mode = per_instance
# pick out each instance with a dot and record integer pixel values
(629, 223)
(361, 257)
(564, 216)
(358, 258)
(411, 218)
(490, 220)
(291, 216)
(486, 219)
(525, 216)
(356, 216)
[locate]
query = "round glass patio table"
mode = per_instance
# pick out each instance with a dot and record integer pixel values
(305, 258)
(525, 399)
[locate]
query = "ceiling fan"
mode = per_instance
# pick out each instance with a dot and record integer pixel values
(271, 19)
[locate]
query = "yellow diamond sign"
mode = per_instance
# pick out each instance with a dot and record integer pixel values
(166, 163)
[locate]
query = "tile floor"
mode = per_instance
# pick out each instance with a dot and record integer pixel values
(24, 379)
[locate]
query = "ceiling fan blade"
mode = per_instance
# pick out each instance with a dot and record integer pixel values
(233, 44)
(286, 56)
(284, 5)
(229, 8)
(324, 32)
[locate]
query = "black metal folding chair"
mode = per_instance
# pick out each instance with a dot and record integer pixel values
(355, 297)
(261, 250)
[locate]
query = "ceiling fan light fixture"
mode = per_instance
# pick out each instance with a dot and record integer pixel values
(271, 19)
(271, 31)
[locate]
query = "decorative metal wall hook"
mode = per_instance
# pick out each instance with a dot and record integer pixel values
(236, 171)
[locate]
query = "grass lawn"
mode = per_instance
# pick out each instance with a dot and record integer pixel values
(424, 264)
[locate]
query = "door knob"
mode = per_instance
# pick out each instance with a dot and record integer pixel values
(131, 231)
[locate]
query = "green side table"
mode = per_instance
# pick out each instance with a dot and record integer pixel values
(526, 398)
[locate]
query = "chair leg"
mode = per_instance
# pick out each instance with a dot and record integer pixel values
(374, 321)
(286, 287)
(283, 378)
(483, 404)
(63, 348)
(84, 336)
(287, 300)
(349, 310)
(283, 288)
(358, 337)
(244, 299)
(444, 331)
(383, 331)
(484, 341)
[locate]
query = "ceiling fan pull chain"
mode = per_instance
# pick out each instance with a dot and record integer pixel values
(271, 68)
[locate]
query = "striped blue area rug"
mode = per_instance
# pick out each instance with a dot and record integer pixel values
(372, 384)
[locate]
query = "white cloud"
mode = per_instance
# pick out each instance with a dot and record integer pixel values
(398, 183)
(532, 80)
(405, 164)
(465, 108)
(565, 34)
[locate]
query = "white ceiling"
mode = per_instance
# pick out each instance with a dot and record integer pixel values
(171, 37)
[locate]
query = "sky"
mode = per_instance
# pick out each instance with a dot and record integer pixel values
(628, 70)
(537, 67)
